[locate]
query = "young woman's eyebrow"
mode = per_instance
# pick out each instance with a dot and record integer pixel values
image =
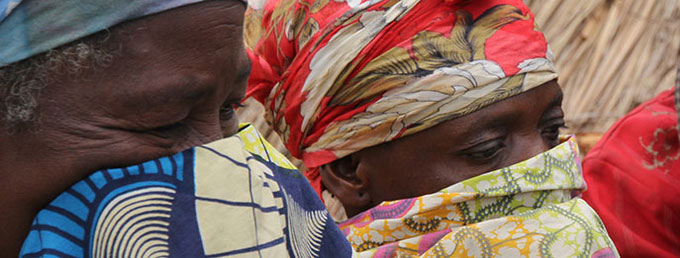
(557, 100)
(482, 129)
(554, 108)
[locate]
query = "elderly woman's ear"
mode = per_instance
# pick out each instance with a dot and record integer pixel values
(346, 179)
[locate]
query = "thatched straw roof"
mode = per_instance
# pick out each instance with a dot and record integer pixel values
(612, 55)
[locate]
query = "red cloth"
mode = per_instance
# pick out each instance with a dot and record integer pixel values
(633, 177)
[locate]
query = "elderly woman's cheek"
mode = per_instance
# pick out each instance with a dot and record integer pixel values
(229, 126)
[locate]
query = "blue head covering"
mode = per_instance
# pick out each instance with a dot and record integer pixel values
(30, 27)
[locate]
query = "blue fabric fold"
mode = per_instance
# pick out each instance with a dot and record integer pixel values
(31, 27)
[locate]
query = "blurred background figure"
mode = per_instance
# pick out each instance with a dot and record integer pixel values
(633, 177)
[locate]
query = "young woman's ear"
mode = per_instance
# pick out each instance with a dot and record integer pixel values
(345, 179)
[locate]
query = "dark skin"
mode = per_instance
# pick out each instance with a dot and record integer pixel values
(171, 86)
(493, 137)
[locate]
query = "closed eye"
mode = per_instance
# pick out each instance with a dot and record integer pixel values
(228, 109)
(170, 128)
(485, 152)
(551, 133)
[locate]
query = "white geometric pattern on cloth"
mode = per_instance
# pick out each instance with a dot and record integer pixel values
(244, 201)
(139, 216)
(212, 200)
(306, 228)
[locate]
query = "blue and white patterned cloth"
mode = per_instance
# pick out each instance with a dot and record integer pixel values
(31, 27)
(236, 196)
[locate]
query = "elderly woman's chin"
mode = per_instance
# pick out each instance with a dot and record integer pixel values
(497, 136)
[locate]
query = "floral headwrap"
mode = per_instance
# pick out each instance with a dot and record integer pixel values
(31, 27)
(339, 76)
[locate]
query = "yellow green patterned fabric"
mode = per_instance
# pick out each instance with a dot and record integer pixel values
(254, 143)
(529, 209)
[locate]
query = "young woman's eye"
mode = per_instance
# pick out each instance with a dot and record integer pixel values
(485, 152)
(552, 133)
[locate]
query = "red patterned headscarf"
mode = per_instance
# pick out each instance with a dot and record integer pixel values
(337, 76)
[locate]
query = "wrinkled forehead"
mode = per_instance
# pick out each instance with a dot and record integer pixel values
(31, 27)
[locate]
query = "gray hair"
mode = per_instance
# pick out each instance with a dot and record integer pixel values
(22, 82)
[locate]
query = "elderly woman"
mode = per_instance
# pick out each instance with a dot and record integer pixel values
(126, 89)
(435, 123)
